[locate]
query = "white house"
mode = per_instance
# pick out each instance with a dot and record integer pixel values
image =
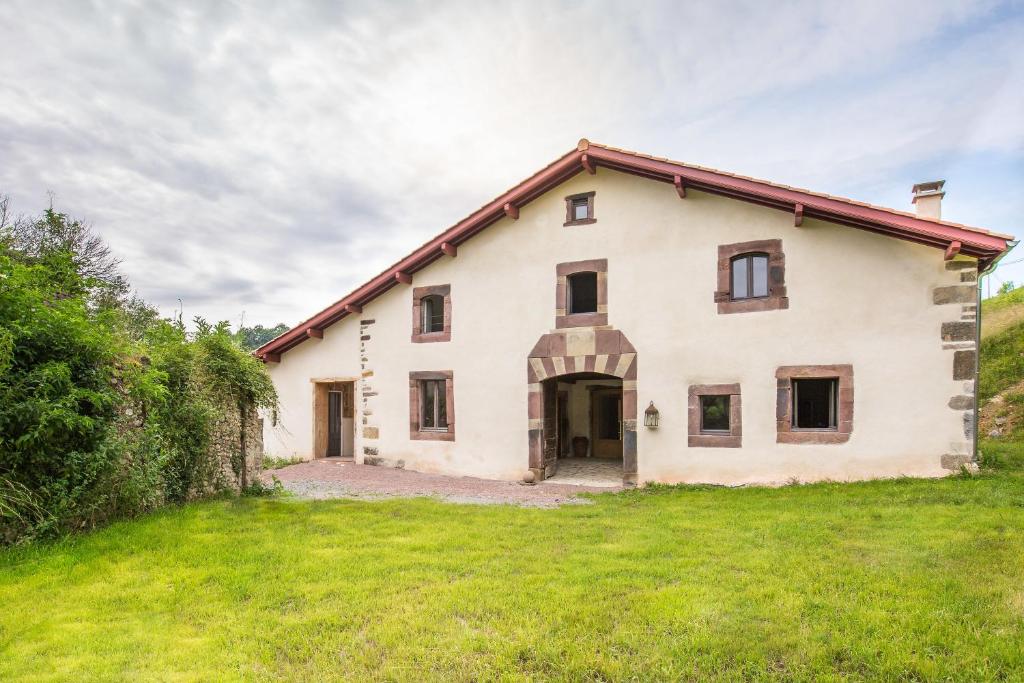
(771, 332)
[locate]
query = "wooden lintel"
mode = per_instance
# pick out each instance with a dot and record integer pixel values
(314, 333)
(798, 215)
(403, 277)
(450, 249)
(680, 188)
(952, 250)
(512, 211)
(271, 358)
(353, 308)
(588, 165)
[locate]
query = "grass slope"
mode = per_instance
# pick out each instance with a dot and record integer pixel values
(1002, 365)
(891, 579)
(1002, 311)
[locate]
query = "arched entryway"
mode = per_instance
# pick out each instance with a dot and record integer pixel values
(578, 352)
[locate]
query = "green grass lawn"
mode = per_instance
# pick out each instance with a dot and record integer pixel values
(904, 579)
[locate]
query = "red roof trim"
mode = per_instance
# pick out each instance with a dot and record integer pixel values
(974, 242)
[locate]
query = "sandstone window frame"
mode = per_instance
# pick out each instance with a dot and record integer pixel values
(785, 431)
(416, 382)
(565, 319)
(574, 200)
(419, 336)
(776, 298)
(696, 436)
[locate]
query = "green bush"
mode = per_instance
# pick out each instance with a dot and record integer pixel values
(105, 411)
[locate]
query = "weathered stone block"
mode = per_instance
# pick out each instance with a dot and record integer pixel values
(968, 276)
(371, 433)
(955, 294)
(368, 450)
(958, 331)
(963, 364)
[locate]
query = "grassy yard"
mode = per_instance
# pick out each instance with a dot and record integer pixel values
(891, 579)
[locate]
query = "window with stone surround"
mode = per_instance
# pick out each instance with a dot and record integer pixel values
(715, 415)
(432, 314)
(579, 209)
(581, 293)
(432, 406)
(751, 277)
(814, 404)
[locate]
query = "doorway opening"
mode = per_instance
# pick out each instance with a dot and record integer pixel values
(583, 429)
(334, 419)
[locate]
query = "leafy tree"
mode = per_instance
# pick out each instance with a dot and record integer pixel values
(1007, 287)
(252, 338)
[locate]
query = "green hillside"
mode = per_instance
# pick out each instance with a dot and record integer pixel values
(1001, 387)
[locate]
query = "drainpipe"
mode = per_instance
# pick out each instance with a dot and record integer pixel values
(977, 343)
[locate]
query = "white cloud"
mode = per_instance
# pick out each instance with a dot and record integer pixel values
(269, 158)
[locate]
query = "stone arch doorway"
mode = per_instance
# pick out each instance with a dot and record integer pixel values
(574, 352)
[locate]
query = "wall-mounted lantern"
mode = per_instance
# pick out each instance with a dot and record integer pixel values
(651, 416)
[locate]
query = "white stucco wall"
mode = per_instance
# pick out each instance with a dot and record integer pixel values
(854, 297)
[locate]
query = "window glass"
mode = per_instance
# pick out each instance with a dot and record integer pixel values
(714, 413)
(432, 311)
(582, 293)
(442, 405)
(580, 209)
(427, 394)
(739, 279)
(759, 275)
(814, 403)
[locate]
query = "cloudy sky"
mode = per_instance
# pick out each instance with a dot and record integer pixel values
(268, 158)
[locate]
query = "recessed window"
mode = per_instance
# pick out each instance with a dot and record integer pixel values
(582, 293)
(714, 414)
(815, 403)
(433, 405)
(749, 276)
(432, 312)
(580, 208)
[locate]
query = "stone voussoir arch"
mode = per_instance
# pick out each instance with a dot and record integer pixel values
(571, 351)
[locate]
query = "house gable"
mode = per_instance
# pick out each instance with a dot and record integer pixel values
(586, 158)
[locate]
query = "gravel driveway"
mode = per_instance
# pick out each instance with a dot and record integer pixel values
(340, 479)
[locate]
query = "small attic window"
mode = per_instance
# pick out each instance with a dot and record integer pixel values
(579, 209)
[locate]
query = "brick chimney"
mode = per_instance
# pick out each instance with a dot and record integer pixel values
(928, 199)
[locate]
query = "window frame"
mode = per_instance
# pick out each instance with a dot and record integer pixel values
(748, 259)
(570, 209)
(697, 436)
(419, 294)
(433, 388)
(704, 429)
(417, 397)
(786, 431)
(428, 316)
(833, 408)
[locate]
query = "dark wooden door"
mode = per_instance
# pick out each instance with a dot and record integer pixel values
(334, 411)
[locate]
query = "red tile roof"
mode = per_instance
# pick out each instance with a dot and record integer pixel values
(984, 245)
